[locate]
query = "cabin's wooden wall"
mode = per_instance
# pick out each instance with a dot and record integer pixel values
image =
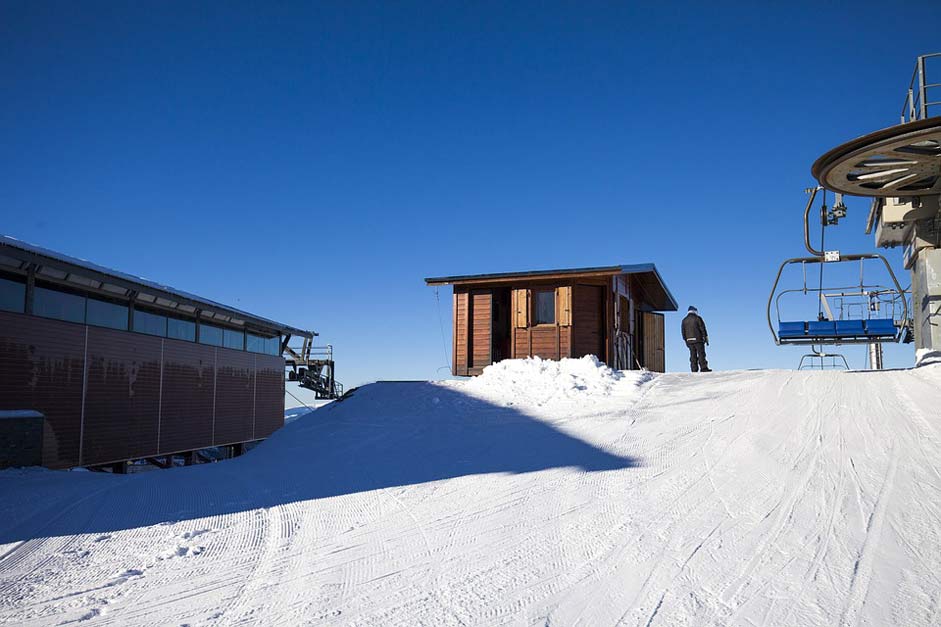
(594, 316)
(546, 341)
(481, 317)
(461, 299)
(473, 332)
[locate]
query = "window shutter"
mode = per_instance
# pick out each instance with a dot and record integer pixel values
(564, 305)
(521, 308)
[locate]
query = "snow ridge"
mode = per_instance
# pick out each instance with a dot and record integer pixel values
(534, 381)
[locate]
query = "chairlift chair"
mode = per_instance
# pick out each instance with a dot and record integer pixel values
(830, 329)
(822, 356)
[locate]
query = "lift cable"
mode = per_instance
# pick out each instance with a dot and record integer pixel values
(299, 400)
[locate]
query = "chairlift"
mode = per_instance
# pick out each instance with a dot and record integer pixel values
(862, 313)
(822, 363)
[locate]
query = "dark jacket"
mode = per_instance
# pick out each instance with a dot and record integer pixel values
(694, 329)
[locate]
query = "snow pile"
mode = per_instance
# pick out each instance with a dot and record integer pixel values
(535, 381)
(927, 357)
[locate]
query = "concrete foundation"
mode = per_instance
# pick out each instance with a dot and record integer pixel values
(926, 299)
(20, 438)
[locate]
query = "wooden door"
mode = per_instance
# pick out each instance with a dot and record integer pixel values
(588, 321)
(654, 355)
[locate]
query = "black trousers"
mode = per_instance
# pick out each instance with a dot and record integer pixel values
(697, 356)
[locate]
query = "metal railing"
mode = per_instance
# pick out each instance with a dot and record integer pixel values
(314, 368)
(917, 103)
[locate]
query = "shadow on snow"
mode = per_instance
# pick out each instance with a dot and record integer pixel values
(386, 435)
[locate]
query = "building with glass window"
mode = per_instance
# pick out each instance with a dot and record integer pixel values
(609, 312)
(123, 368)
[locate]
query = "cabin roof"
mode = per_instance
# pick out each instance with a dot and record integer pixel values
(17, 255)
(655, 290)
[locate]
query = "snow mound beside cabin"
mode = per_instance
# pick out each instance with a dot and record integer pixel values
(536, 381)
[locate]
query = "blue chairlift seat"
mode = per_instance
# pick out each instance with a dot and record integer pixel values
(879, 327)
(792, 329)
(850, 328)
(821, 328)
(836, 329)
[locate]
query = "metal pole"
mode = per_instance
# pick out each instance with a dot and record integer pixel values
(810, 202)
(875, 349)
(922, 95)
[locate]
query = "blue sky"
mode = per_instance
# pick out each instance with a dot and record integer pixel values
(312, 163)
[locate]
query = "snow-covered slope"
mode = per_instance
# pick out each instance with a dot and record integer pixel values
(537, 494)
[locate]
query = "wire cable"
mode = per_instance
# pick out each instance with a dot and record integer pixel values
(299, 400)
(444, 341)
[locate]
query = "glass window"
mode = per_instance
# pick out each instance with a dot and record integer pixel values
(209, 334)
(266, 345)
(545, 307)
(255, 343)
(12, 295)
(105, 314)
(59, 305)
(150, 323)
(233, 339)
(181, 329)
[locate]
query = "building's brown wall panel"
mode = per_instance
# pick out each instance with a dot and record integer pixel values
(482, 312)
(269, 395)
(235, 391)
(122, 398)
(42, 368)
(187, 402)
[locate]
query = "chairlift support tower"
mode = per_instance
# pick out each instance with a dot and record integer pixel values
(900, 169)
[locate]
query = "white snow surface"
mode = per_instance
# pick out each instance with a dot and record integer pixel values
(539, 493)
(536, 381)
(300, 401)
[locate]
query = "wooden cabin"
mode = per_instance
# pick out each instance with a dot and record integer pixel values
(609, 312)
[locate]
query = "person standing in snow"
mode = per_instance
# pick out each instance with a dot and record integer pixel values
(697, 339)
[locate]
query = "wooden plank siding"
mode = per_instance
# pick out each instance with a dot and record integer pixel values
(481, 336)
(460, 332)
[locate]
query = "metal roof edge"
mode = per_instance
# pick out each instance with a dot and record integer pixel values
(33, 250)
(636, 268)
(650, 267)
(444, 280)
